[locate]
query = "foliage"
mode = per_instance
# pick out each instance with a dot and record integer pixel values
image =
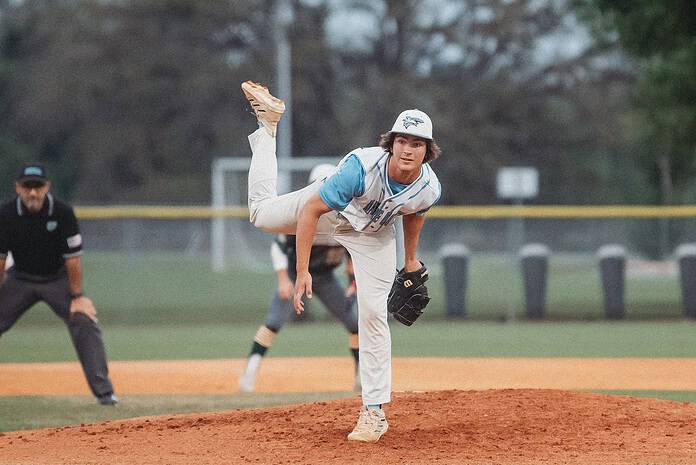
(661, 37)
(131, 100)
(13, 155)
(496, 100)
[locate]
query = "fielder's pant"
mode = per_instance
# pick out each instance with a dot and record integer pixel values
(330, 292)
(374, 260)
(18, 295)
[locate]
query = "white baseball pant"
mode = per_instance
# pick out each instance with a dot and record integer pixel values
(374, 260)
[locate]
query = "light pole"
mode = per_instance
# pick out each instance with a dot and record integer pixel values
(282, 19)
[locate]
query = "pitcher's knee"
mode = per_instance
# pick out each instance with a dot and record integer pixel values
(253, 214)
(372, 316)
(256, 216)
(259, 222)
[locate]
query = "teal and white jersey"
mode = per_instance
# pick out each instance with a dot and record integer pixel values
(363, 194)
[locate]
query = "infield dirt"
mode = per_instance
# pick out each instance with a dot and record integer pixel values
(488, 425)
(506, 427)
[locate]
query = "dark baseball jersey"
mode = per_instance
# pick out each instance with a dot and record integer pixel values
(39, 242)
(323, 258)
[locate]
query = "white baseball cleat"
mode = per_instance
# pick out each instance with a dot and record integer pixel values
(247, 382)
(372, 424)
(267, 108)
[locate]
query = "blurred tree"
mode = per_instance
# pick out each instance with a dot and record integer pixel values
(12, 153)
(661, 36)
(315, 85)
(507, 83)
(131, 99)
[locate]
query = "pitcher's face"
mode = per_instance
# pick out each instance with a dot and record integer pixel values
(408, 152)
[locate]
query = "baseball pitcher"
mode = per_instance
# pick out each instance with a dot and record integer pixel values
(356, 206)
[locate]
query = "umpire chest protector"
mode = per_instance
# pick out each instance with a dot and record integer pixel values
(378, 206)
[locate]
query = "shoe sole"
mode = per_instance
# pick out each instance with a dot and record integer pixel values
(371, 439)
(260, 94)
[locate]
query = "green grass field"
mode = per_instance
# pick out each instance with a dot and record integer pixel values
(26, 343)
(25, 412)
(165, 289)
(174, 307)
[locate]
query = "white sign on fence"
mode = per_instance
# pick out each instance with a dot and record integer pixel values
(517, 183)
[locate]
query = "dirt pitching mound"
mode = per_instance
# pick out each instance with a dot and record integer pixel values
(445, 427)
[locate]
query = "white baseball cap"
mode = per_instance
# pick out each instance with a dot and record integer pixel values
(321, 171)
(415, 123)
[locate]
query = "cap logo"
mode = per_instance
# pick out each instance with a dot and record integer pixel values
(33, 171)
(411, 121)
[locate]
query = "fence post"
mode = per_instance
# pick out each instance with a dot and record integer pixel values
(612, 267)
(455, 259)
(686, 254)
(534, 259)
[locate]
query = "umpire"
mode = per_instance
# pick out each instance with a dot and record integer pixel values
(44, 238)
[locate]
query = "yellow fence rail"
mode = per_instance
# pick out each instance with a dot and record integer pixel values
(159, 212)
(464, 212)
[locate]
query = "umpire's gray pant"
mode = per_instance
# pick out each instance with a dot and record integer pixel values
(18, 295)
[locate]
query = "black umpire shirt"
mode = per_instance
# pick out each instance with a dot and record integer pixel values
(39, 242)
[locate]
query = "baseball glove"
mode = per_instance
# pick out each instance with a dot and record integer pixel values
(408, 296)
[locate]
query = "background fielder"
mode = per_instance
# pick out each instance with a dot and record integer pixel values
(326, 256)
(356, 206)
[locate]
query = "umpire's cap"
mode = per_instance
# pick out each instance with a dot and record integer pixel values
(33, 172)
